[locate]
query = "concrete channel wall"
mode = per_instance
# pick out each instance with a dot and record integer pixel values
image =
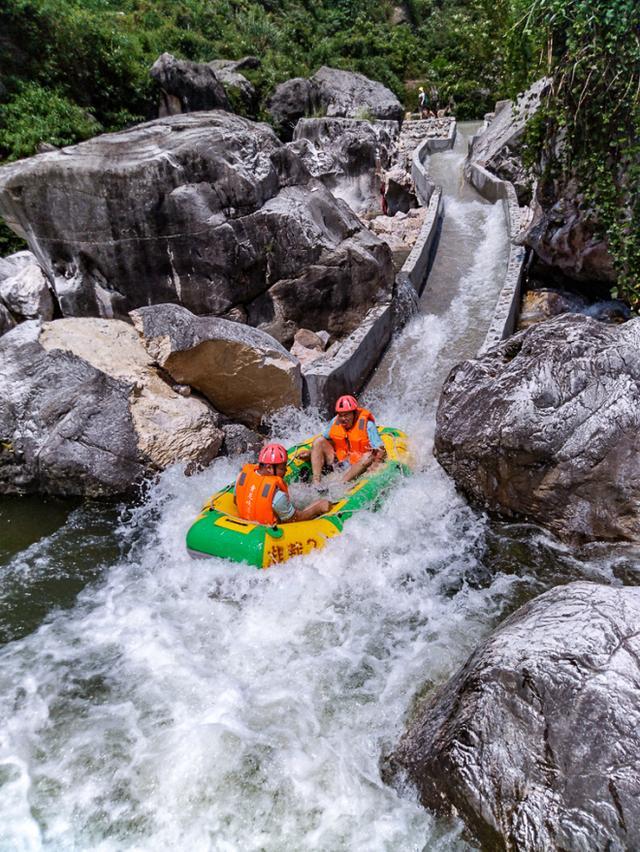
(350, 365)
(507, 310)
(419, 162)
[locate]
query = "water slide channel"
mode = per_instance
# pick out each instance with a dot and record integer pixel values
(152, 702)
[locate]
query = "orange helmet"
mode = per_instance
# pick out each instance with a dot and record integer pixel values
(346, 403)
(273, 454)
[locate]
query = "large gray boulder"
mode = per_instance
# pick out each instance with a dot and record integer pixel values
(535, 742)
(206, 209)
(351, 95)
(191, 86)
(187, 86)
(245, 373)
(24, 290)
(545, 427)
(83, 411)
(334, 93)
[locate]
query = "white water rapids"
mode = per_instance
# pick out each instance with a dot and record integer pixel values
(179, 704)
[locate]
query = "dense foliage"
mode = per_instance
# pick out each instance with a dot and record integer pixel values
(590, 125)
(95, 55)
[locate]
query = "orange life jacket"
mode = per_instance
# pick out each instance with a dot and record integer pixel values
(352, 444)
(254, 495)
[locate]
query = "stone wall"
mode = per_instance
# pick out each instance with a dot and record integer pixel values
(419, 167)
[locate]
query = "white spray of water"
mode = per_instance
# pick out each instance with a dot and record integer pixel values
(208, 706)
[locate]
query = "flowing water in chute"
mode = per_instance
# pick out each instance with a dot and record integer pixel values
(149, 701)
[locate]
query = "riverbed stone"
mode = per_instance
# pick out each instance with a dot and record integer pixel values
(83, 411)
(24, 290)
(208, 210)
(239, 439)
(545, 427)
(244, 372)
(535, 742)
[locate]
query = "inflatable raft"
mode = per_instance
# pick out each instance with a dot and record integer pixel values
(220, 531)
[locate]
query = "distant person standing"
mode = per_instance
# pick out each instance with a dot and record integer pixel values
(423, 103)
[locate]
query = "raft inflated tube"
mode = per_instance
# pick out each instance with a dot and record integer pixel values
(220, 531)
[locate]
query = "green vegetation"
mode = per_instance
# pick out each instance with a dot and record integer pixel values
(71, 67)
(593, 110)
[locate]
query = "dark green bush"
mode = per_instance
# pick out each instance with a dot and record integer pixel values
(35, 115)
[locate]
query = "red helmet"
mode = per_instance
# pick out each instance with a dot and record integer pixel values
(346, 403)
(273, 454)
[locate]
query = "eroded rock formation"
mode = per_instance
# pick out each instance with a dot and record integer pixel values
(565, 236)
(24, 290)
(545, 426)
(536, 740)
(499, 148)
(206, 209)
(82, 411)
(563, 232)
(348, 156)
(242, 371)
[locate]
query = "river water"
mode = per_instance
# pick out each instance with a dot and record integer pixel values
(151, 702)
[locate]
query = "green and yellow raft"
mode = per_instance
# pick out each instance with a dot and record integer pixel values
(220, 531)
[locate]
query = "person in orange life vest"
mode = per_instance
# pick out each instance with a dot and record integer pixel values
(351, 440)
(261, 494)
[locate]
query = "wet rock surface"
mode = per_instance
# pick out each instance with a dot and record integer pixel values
(238, 440)
(333, 93)
(545, 427)
(536, 740)
(24, 290)
(242, 371)
(82, 411)
(206, 209)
